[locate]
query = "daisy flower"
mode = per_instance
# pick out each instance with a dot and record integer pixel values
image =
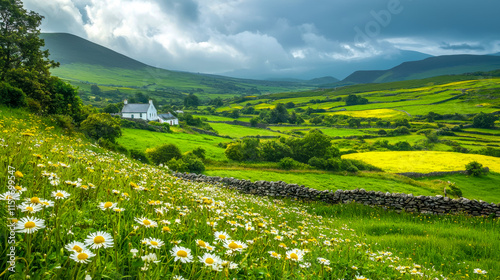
(150, 258)
(182, 254)
(146, 222)
(210, 260)
(59, 194)
(75, 246)
(201, 243)
(20, 189)
(360, 277)
(323, 261)
(221, 236)
(29, 224)
(479, 271)
(9, 196)
(234, 245)
(274, 255)
(295, 255)
(47, 203)
(107, 205)
(178, 277)
(29, 207)
(83, 256)
(99, 239)
(154, 243)
(118, 209)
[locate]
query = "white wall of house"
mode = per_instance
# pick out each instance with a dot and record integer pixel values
(151, 113)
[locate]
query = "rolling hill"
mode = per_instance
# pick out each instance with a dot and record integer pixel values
(429, 67)
(84, 63)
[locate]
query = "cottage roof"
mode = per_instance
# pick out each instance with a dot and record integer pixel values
(167, 116)
(135, 108)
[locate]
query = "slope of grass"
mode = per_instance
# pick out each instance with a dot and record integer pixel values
(148, 204)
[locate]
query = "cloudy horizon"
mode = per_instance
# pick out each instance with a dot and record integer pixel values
(263, 39)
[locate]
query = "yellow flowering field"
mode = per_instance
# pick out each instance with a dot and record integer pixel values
(375, 113)
(72, 210)
(424, 161)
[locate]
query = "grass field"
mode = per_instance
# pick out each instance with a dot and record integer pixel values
(238, 131)
(424, 161)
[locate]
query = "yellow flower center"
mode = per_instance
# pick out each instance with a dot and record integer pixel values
(59, 194)
(35, 200)
(29, 224)
(209, 260)
(261, 225)
(77, 248)
(294, 256)
(274, 254)
(84, 187)
(166, 229)
(9, 197)
(29, 208)
(222, 236)
(202, 243)
(98, 240)
(82, 256)
(154, 243)
(18, 188)
(146, 222)
(108, 204)
(45, 203)
(182, 254)
(233, 245)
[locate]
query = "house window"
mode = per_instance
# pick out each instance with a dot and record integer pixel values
(132, 116)
(140, 115)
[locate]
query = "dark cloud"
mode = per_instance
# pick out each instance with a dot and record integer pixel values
(277, 38)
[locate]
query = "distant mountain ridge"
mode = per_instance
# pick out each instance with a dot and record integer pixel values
(429, 67)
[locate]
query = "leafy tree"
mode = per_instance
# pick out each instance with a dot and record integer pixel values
(191, 101)
(11, 96)
(475, 168)
(141, 98)
(402, 122)
(163, 154)
(254, 121)
(234, 151)
(111, 109)
(101, 125)
(353, 99)
(290, 105)
(315, 143)
(279, 114)
(483, 120)
(95, 90)
(199, 152)
(287, 163)
(274, 151)
(217, 102)
(234, 114)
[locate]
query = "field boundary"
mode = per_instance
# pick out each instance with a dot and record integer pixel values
(438, 205)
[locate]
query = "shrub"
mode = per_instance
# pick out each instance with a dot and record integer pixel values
(193, 163)
(347, 165)
(199, 152)
(333, 164)
(139, 155)
(163, 154)
(64, 122)
(177, 165)
(453, 190)
(106, 143)
(287, 163)
(318, 162)
(101, 125)
(274, 151)
(475, 168)
(234, 151)
(483, 120)
(11, 96)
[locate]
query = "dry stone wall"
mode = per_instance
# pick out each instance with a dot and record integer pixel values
(397, 201)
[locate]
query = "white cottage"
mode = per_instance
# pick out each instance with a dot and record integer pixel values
(168, 118)
(139, 111)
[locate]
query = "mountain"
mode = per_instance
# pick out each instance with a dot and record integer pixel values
(84, 63)
(429, 67)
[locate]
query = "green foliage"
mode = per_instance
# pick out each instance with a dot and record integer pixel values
(483, 120)
(453, 190)
(163, 154)
(315, 143)
(106, 143)
(234, 151)
(475, 168)
(193, 163)
(287, 163)
(279, 114)
(11, 96)
(101, 125)
(177, 165)
(112, 109)
(353, 99)
(139, 155)
(274, 151)
(191, 101)
(199, 152)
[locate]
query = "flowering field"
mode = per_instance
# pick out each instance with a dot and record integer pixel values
(375, 113)
(76, 211)
(424, 161)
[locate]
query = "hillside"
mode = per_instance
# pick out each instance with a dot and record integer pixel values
(429, 67)
(84, 63)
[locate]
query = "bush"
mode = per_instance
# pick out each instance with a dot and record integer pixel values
(139, 155)
(274, 151)
(199, 152)
(234, 151)
(347, 165)
(287, 163)
(11, 96)
(101, 125)
(193, 163)
(106, 143)
(318, 162)
(64, 122)
(177, 165)
(475, 168)
(453, 190)
(483, 120)
(163, 154)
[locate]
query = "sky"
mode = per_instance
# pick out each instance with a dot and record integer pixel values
(277, 38)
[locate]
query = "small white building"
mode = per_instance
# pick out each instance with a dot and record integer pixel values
(168, 118)
(139, 111)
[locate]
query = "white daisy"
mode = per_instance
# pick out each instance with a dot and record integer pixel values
(99, 239)
(83, 256)
(146, 222)
(46, 203)
(323, 261)
(295, 255)
(29, 224)
(107, 205)
(221, 236)
(59, 194)
(182, 254)
(29, 207)
(234, 245)
(153, 243)
(75, 246)
(150, 258)
(210, 260)
(274, 255)
(9, 196)
(479, 271)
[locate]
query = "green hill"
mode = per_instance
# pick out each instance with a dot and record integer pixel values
(429, 67)
(84, 63)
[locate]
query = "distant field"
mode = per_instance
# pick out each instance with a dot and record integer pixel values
(238, 131)
(424, 161)
(375, 113)
(143, 139)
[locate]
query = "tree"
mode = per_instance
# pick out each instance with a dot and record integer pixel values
(483, 120)
(95, 90)
(274, 151)
(101, 125)
(11, 96)
(279, 114)
(475, 168)
(314, 144)
(353, 99)
(191, 101)
(163, 154)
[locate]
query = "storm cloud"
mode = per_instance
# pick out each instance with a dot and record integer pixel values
(278, 38)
